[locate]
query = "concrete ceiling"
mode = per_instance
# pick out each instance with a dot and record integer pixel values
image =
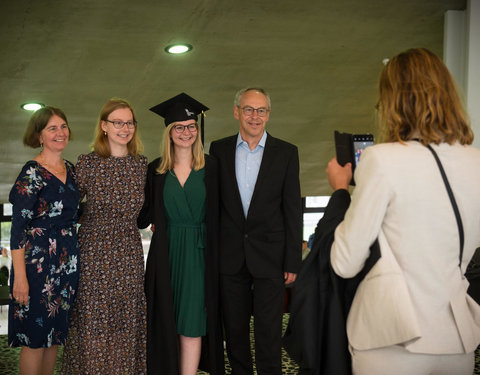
(319, 59)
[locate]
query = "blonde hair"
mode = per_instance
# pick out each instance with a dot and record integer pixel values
(100, 142)
(418, 99)
(168, 152)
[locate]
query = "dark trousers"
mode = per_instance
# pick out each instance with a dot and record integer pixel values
(243, 296)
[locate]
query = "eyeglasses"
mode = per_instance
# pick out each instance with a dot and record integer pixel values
(248, 111)
(181, 128)
(117, 124)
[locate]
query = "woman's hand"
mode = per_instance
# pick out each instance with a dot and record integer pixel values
(21, 289)
(339, 177)
(289, 277)
(20, 282)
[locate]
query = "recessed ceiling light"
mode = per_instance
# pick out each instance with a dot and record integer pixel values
(32, 106)
(177, 49)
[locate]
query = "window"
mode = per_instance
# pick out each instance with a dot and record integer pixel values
(313, 210)
(5, 224)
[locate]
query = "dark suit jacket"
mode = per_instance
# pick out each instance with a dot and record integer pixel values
(269, 239)
(316, 336)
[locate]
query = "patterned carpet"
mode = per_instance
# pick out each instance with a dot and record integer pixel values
(9, 358)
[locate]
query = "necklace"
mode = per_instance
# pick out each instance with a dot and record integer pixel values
(51, 168)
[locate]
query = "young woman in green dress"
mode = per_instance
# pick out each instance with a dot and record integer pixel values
(181, 282)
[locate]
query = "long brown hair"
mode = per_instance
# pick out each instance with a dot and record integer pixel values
(168, 152)
(100, 142)
(418, 99)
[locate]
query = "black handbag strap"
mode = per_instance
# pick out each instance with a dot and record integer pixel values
(452, 200)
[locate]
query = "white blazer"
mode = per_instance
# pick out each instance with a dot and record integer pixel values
(416, 293)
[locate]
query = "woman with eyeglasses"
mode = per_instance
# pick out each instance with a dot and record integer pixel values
(181, 280)
(44, 246)
(108, 328)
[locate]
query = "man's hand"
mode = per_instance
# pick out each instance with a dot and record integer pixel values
(289, 277)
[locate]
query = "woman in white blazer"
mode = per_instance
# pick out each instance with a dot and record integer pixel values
(411, 314)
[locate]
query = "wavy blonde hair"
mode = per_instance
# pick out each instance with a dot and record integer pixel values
(100, 142)
(418, 99)
(168, 152)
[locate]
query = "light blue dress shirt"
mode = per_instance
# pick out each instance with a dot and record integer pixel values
(247, 166)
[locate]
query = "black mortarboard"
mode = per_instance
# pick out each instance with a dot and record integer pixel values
(180, 108)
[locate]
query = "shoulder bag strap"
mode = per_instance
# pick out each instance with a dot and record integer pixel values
(452, 200)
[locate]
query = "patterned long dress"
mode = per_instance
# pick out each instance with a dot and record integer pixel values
(108, 328)
(44, 223)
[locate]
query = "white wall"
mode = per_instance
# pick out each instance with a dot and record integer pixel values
(473, 66)
(454, 46)
(462, 57)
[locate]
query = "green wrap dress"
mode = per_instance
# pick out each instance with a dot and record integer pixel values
(185, 209)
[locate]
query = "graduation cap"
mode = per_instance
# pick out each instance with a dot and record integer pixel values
(180, 108)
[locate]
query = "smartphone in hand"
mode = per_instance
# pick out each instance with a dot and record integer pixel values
(349, 147)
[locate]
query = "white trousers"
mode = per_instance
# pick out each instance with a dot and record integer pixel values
(396, 360)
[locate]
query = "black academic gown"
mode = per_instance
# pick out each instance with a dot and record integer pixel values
(162, 343)
(316, 334)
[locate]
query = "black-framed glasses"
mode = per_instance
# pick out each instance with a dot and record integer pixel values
(248, 111)
(117, 124)
(192, 128)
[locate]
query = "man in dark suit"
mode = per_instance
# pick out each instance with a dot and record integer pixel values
(260, 233)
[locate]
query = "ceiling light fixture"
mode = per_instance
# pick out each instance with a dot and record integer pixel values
(32, 106)
(177, 49)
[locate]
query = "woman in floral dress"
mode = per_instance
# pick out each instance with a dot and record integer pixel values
(44, 245)
(108, 329)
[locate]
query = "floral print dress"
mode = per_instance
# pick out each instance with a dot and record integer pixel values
(107, 333)
(44, 223)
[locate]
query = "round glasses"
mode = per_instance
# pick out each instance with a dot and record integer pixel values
(248, 111)
(192, 128)
(117, 124)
